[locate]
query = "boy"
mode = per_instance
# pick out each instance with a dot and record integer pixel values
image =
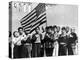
(36, 43)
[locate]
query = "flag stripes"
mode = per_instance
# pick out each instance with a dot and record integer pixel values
(42, 16)
(28, 16)
(29, 19)
(26, 27)
(42, 22)
(35, 18)
(37, 22)
(27, 23)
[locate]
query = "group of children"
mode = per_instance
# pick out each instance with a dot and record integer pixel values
(52, 41)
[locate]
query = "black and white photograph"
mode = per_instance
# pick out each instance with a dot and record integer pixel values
(42, 30)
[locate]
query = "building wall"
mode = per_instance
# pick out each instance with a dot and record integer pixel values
(62, 15)
(18, 12)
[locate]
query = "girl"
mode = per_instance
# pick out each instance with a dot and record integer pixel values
(63, 42)
(16, 45)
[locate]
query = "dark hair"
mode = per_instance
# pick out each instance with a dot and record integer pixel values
(54, 26)
(63, 28)
(38, 28)
(67, 29)
(50, 27)
(20, 28)
(47, 28)
(10, 33)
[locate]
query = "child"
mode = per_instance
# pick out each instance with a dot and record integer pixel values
(16, 45)
(63, 42)
(72, 42)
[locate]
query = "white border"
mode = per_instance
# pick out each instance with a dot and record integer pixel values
(4, 28)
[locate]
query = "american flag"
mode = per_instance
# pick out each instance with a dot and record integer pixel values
(35, 18)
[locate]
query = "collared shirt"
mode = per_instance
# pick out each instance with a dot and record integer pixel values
(23, 36)
(17, 41)
(37, 38)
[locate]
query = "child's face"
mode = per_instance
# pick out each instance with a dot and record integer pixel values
(55, 29)
(49, 31)
(72, 30)
(67, 29)
(52, 31)
(37, 30)
(21, 31)
(16, 34)
(63, 31)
